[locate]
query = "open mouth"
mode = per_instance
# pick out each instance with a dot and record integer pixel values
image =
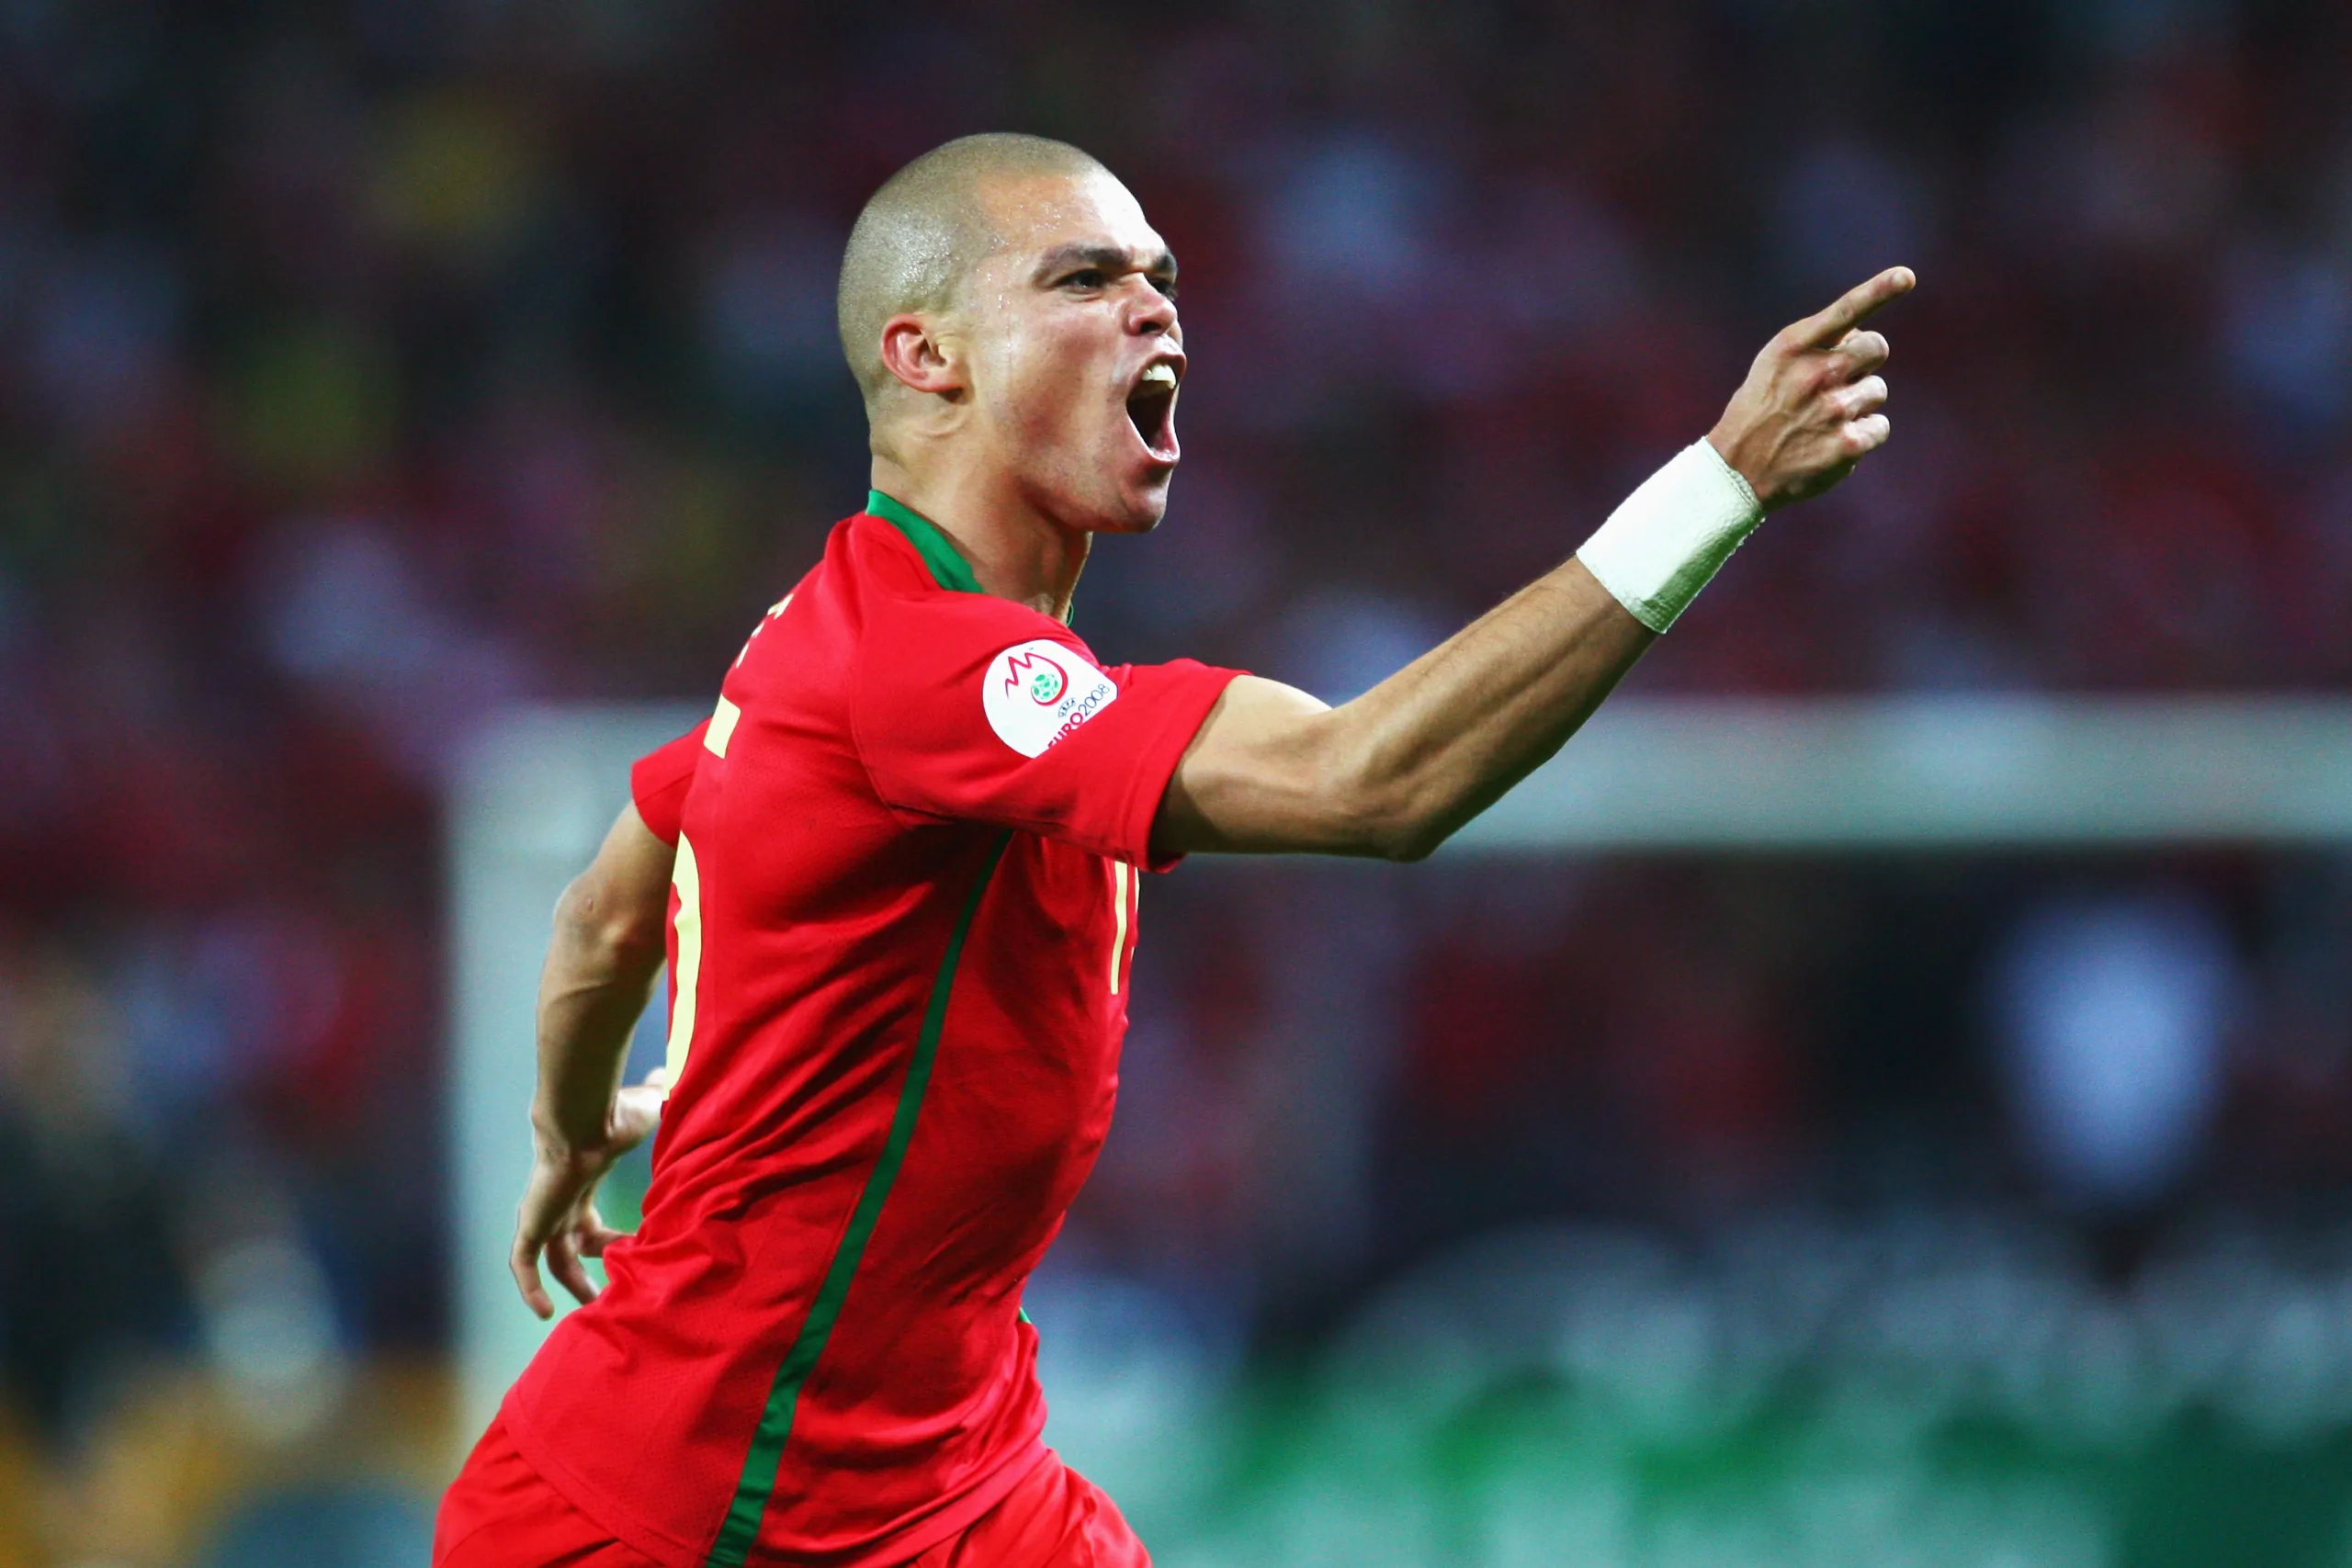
(1151, 408)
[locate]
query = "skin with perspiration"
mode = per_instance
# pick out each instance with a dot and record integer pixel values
(1016, 442)
(1018, 445)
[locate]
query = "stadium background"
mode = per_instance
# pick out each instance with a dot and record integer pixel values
(370, 368)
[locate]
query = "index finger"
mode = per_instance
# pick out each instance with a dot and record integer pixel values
(1854, 306)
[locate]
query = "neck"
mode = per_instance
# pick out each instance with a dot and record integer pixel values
(1016, 551)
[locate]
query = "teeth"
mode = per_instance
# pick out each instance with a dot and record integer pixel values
(1162, 375)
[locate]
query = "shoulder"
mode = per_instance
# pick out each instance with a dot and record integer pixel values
(935, 667)
(658, 781)
(923, 636)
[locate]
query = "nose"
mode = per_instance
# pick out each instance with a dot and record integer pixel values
(1153, 313)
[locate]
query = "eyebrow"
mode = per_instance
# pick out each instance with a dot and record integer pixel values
(1110, 258)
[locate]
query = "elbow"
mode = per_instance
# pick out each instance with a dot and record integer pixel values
(1410, 836)
(1386, 816)
(1416, 843)
(606, 931)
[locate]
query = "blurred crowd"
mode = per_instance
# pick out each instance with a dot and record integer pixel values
(367, 367)
(1334, 1070)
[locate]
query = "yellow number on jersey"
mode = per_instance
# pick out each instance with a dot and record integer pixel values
(686, 877)
(1119, 878)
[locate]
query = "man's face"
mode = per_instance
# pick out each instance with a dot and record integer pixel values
(1073, 350)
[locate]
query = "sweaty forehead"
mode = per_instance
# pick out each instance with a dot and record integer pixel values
(1034, 214)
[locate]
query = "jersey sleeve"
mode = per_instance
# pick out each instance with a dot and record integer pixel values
(972, 708)
(658, 781)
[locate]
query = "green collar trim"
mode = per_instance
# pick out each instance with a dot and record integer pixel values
(948, 568)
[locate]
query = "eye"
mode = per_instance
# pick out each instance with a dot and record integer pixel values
(1086, 278)
(1167, 287)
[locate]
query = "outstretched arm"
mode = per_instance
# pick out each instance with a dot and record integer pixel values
(1395, 771)
(602, 961)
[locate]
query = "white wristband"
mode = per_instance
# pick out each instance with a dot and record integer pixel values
(1666, 540)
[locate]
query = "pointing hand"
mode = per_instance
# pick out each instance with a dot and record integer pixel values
(1809, 409)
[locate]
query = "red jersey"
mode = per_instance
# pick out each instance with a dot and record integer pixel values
(658, 781)
(904, 906)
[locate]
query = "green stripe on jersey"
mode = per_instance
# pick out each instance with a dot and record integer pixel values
(742, 1526)
(948, 568)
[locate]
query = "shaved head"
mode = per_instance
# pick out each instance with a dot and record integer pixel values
(923, 232)
(1009, 314)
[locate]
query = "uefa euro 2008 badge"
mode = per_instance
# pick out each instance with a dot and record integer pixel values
(1039, 691)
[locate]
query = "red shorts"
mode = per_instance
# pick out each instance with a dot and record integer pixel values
(500, 1514)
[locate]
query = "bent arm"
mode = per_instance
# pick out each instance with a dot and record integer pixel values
(607, 950)
(1395, 771)
(1400, 769)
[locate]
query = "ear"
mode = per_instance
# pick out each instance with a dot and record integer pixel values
(912, 351)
